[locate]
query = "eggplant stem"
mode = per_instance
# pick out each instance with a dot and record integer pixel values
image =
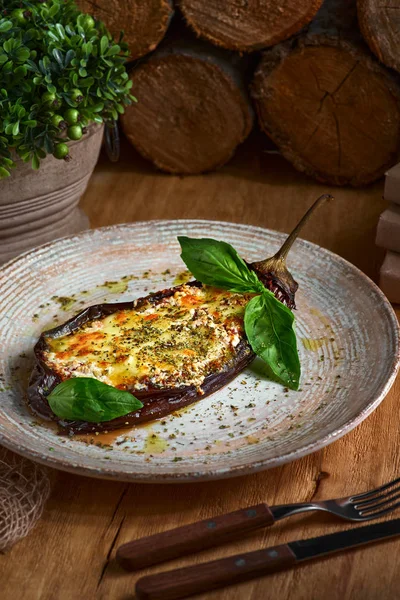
(284, 250)
(273, 272)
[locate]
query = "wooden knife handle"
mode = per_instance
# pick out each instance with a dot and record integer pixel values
(181, 583)
(192, 538)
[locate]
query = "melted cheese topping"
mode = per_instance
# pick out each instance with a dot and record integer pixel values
(174, 343)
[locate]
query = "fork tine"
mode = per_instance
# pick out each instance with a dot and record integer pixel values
(373, 492)
(374, 499)
(380, 513)
(373, 507)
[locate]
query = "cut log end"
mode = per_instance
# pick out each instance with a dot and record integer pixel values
(190, 114)
(144, 23)
(380, 27)
(248, 25)
(332, 111)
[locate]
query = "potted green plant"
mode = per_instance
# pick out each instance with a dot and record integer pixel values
(62, 77)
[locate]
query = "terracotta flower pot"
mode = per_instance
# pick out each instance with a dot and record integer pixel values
(39, 206)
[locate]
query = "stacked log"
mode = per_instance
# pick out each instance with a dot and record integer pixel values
(330, 106)
(248, 25)
(332, 110)
(192, 110)
(380, 27)
(144, 23)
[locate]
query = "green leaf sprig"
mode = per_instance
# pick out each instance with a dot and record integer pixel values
(60, 71)
(269, 324)
(88, 399)
(218, 264)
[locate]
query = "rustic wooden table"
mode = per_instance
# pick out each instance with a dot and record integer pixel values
(70, 554)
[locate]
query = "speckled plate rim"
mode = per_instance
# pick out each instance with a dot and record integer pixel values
(238, 470)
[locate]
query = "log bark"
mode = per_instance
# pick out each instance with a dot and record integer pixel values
(330, 107)
(380, 26)
(144, 23)
(247, 25)
(193, 108)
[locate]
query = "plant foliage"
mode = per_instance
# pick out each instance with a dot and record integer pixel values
(60, 71)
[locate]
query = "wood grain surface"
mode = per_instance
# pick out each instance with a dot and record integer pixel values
(71, 552)
(144, 23)
(250, 25)
(310, 99)
(194, 135)
(380, 27)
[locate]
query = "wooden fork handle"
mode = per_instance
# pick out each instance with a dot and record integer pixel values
(192, 538)
(181, 583)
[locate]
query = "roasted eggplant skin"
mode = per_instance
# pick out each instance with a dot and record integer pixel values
(156, 403)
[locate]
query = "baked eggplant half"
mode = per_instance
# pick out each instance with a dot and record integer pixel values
(168, 349)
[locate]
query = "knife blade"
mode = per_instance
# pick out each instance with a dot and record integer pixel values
(342, 540)
(181, 583)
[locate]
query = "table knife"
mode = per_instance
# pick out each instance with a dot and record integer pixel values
(181, 583)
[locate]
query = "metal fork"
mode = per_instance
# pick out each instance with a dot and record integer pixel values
(361, 507)
(218, 530)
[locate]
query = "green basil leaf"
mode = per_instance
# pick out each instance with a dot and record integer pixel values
(269, 328)
(218, 264)
(87, 399)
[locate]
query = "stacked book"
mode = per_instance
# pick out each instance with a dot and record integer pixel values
(388, 236)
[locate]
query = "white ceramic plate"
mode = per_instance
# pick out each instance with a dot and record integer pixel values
(348, 341)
